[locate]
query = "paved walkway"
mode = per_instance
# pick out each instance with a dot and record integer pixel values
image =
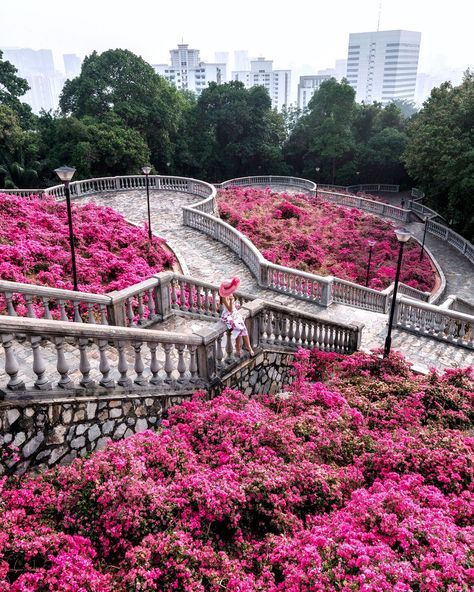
(211, 261)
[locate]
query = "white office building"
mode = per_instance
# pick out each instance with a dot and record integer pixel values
(261, 73)
(187, 72)
(382, 65)
(307, 86)
(72, 65)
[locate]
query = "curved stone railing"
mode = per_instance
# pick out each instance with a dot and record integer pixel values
(436, 322)
(454, 239)
(89, 358)
(386, 187)
(269, 180)
(368, 205)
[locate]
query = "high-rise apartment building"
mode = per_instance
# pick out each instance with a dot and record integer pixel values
(37, 67)
(187, 72)
(307, 86)
(382, 65)
(72, 65)
(261, 73)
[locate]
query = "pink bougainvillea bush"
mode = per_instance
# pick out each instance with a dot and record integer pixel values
(361, 479)
(319, 237)
(110, 253)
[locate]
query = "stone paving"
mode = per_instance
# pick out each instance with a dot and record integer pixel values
(211, 261)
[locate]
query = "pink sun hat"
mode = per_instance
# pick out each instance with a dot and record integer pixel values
(229, 286)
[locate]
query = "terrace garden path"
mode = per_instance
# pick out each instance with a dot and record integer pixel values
(208, 260)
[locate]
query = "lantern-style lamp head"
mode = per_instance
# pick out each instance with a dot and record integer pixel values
(403, 234)
(371, 243)
(146, 169)
(317, 169)
(65, 173)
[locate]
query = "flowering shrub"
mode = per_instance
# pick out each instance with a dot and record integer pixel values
(322, 238)
(110, 253)
(364, 481)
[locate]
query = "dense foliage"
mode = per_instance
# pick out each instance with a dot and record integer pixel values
(361, 482)
(110, 253)
(440, 152)
(322, 238)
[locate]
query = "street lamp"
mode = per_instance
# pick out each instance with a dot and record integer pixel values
(403, 236)
(66, 173)
(317, 177)
(146, 171)
(425, 220)
(371, 244)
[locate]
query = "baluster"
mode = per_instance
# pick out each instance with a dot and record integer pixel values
(29, 306)
(11, 365)
(151, 303)
(47, 312)
(62, 308)
(215, 303)
(139, 366)
(168, 362)
(103, 314)
(304, 335)
(325, 338)
(84, 364)
(291, 330)
(193, 298)
(10, 307)
(62, 365)
(173, 285)
(182, 295)
(130, 315)
(298, 332)
(181, 363)
(277, 331)
(154, 365)
(229, 348)
(331, 338)
(122, 366)
(77, 313)
(309, 334)
(206, 301)
(219, 352)
(90, 313)
(39, 367)
(104, 365)
(141, 319)
(268, 326)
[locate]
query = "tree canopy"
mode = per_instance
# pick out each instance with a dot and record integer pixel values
(440, 152)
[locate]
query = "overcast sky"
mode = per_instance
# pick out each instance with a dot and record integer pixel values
(303, 34)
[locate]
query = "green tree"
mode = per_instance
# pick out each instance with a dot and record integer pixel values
(18, 148)
(324, 137)
(119, 82)
(95, 148)
(236, 132)
(12, 87)
(440, 152)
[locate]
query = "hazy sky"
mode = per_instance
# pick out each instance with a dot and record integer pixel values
(305, 35)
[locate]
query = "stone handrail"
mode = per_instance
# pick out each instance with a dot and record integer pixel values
(436, 322)
(49, 303)
(387, 187)
(454, 239)
(99, 357)
(269, 180)
(363, 203)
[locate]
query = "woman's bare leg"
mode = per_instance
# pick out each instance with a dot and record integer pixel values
(247, 345)
(238, 345)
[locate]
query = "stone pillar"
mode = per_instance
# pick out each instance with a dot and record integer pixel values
(206, 352)
(115, 310)
(253, 310)
(163, 304)
(356, 336)
(326, 292)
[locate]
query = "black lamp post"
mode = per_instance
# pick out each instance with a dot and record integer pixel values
(371, 244)
(403, 236)
(66, 173)
(425, 220)
(146, 171)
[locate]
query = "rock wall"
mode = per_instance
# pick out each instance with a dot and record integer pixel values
(44, 432)
(268, 372)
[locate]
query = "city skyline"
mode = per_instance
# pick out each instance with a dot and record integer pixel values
(289, 39)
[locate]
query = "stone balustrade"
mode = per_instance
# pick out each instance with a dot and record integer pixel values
(437, 322)
(386, 187)
(91, 358)
(270, 180)
(368, 205)
(43, 302)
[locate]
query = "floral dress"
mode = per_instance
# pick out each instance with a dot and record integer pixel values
(233, 319)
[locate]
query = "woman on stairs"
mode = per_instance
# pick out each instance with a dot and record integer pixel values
(231, 315)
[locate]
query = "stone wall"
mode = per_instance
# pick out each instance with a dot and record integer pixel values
(40, 433)
(268, 372)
